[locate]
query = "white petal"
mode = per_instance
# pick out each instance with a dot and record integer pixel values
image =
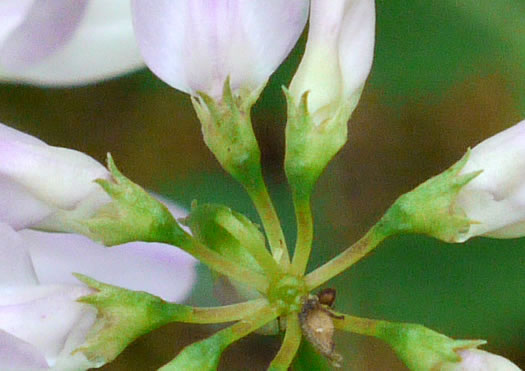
(479, 360)
(57, 176)
(45, 27)
(338, 55)
(42, 315)
(319, 71)
(17, 355)
(496, 198)
(102, 47)
(16, 267)
(356, 46)
(193, 45)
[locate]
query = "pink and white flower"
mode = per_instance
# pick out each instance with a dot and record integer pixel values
(194, 45)
(66, 42)
(41, 322)
(39, 181)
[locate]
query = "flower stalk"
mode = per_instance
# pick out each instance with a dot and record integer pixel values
(305, 233)
(290, 345)
(223, 265)
(205, 354)
(347, 258)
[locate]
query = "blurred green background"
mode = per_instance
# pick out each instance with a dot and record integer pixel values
(446, 75)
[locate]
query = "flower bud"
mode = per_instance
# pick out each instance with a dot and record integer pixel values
(327, 86)
(338, 56)
(421, 348)
(495, 200)
(40, 181)
(63, 42)
(483, 194)
(195, 45)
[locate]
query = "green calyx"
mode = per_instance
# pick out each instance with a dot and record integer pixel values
(228, 133)
(430, 208)
(227, 232)
(122, 316)
(310, 145)
(420, 348)
(133, 215)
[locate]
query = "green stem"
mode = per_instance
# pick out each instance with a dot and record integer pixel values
(227, 313)
(257, 249)
(290, 346)
(357, 325)
(222, 265)
(205, 354)
(272, 226)
(303, 245)
(346, 259)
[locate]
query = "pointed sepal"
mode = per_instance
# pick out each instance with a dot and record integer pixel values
(123, 316)
(228, 133)
(133, 215)
(311, 145)
(430, 208)
(420, 348)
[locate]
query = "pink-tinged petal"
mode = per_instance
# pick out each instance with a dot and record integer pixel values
(16, 354)
(43, 315)
(9, 134)
(194, 45)
(19, 208)
(42, 178)
(45, 27)
(159, 269)
(16, 268)
(12, 14)
(103, 46)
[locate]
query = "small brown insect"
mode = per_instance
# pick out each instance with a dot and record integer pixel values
(318, 326)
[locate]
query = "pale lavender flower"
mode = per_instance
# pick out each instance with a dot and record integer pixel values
(194, 45)
(41, 322)
(338, 56)
(495, 200)
(64, 42)
(38, 181)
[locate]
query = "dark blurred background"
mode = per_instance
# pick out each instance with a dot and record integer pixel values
(447, 74)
